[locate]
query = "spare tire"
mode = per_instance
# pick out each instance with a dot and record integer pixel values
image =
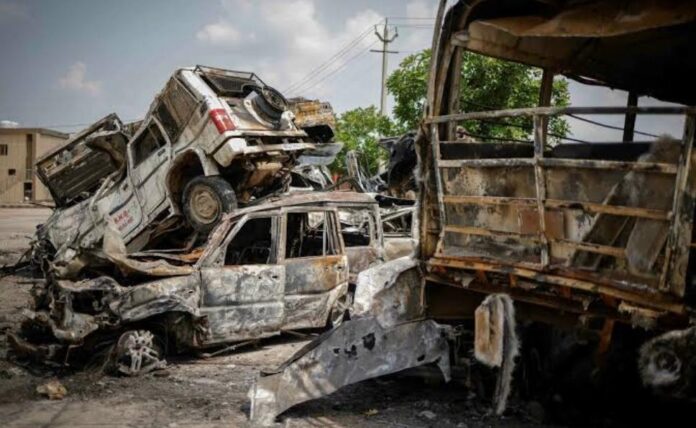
(206, 200)
(269, 103)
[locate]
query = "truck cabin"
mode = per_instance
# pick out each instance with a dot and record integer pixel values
(583, 226)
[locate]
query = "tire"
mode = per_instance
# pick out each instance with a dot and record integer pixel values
(270, 104)
(206, 200)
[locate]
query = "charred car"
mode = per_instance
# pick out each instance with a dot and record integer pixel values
(278, 266)
(211, 140)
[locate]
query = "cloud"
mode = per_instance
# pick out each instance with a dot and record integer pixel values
(307, 42)
(297, 45)
(75, 79)
(421, 9)
(219, 33)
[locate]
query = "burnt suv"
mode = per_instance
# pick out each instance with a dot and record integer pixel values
(272, 267)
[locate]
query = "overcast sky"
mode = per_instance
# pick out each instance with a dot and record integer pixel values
(67, 63)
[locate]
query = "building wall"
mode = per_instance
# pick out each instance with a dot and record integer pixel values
(12, 186)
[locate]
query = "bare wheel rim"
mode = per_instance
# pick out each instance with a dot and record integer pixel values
(339, 310)
(137, 354)
(205, 205)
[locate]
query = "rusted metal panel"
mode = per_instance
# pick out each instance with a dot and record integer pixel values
(677, 259)
(554, 221)
(311, 310)
(315, 274)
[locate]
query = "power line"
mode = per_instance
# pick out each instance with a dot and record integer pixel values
(606, 125)
(600, 124)
(342, 52)
(336, 70)
(316, 72)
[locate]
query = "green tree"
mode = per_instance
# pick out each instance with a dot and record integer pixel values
(486, 83)
(360, 129)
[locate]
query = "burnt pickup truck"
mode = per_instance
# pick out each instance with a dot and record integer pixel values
(211, 139)
(277, 266)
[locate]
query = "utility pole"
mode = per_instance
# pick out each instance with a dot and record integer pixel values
(385, 38)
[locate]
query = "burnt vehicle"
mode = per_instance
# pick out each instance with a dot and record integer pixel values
(572, 260)
(211, 140)
(277, 266)
(400, 177)
(315, 117)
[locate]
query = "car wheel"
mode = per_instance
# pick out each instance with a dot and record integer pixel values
(137, 353)
(205, 200)
(340, 311)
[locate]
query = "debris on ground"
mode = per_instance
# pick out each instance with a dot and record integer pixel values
(427, 415)
(53, 390)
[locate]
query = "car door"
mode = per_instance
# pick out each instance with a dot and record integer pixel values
(359, 233)
(149, 152)
(242, 285)
(400, 233)
(316, 267)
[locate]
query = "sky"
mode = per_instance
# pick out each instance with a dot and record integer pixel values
(68, 63)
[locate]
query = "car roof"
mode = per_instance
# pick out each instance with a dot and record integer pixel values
(299, 199)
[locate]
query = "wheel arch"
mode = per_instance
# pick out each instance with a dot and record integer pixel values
(187, 165)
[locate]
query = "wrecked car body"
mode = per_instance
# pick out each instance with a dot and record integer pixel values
(315, 117)
(588, 239)
(268, 268)
(211, 140)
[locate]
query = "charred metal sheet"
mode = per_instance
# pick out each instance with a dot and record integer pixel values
(115, 251)
(313, 274)
(401, 177)
(243, 302)
(176, 294)
(77, 167)
(549, 35)
(315, 117)
(390, 292)
(311, 310)
(496, 343)
(322, 155)
(354, 351)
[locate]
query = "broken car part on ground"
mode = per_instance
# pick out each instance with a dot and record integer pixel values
(590, 240)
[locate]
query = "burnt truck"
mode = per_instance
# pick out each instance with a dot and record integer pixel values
(538, 248)
(285, 264)
(212, 139)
